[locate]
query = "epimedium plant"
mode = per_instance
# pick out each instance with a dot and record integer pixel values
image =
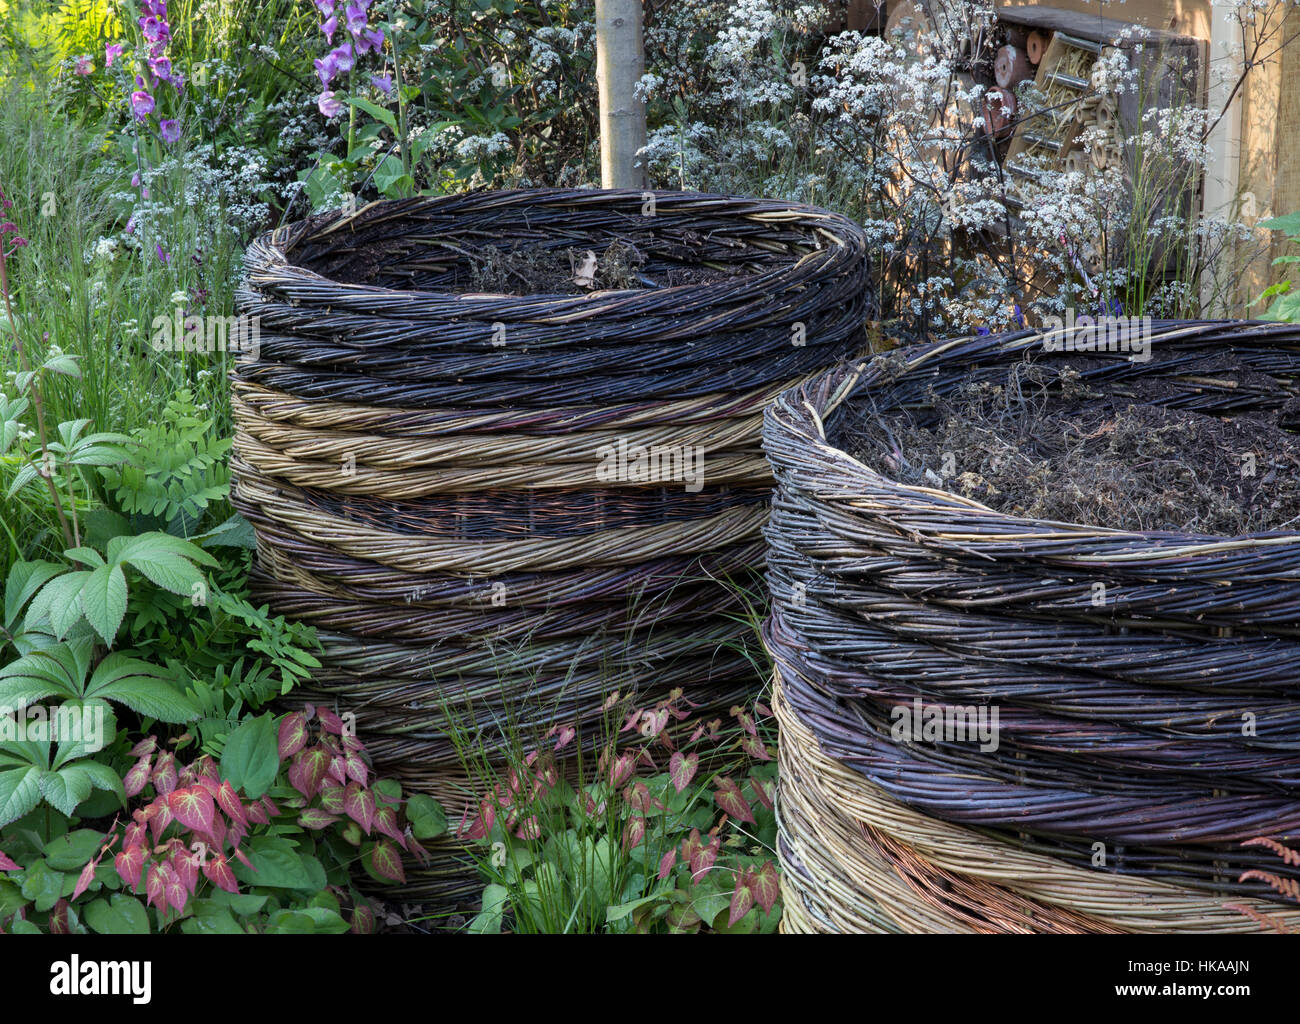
(262, 839)
(672, 832)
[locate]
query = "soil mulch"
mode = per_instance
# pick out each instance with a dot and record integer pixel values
(1044, 446)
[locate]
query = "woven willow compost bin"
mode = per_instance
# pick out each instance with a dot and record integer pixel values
(458, 486)
(1123, 783)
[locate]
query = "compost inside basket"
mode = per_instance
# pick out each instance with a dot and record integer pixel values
(539, 264)
(1039, 442)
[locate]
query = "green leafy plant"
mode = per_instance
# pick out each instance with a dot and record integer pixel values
(672, 833)
(174, 471)
(1285, 304)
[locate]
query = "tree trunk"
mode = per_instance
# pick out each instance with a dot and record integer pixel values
(620, 63)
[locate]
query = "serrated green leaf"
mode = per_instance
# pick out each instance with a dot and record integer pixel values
(103, 600)
(141, 686)
(65, 788)
(24, 580)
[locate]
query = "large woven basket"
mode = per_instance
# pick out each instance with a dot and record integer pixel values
(1123, 784)
(429, 470)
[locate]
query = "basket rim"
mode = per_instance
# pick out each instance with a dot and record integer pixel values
(797, 423)
(269, 257)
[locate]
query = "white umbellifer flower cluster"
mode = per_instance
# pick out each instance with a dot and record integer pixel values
(478, 147)
(106, 249)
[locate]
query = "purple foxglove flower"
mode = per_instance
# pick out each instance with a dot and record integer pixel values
(344, 58)
(153, 29)
(326, 69)
(326, 7)
(384, 83)
(356, 16)
(165, 257)
(370, 39)
(135, 180)
(329, 26)
(170, 130)
(162, 68)
(111, 52)
(142, 105)
(328, 105)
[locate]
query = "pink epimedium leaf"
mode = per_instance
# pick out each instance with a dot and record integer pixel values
(134, 780)
(155, 888)
(308, 769)
(185, 864)
(85, 878)
(386, 823)
(145, 747)
(762, 791)
(703, 857)
(315, 818)
(359, 805)
(217, 871)
(331, 797)
(682, 768)
(210, 785)
(330, 722)
(59, 922)
(667, 862)
(387, 862)
(765, 884)
(129, 865)
(363, 920)
(755, 748)
(160, 819)
(243, 858)
(228, 801)
(622, 768)
(174, 890)
(355, 768)
(193, 807)
(742, 902)
(633, 832)
(293, 734)
(7, 863)
(529, 829)
(729, 798)
(164, 774)
(206, 768)
(338, 770)
(269, 806)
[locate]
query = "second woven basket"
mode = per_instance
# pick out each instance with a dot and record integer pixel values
(1142, 739)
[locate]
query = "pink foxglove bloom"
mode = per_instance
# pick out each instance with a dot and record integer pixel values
(328, 104)
(142, 105)
(111, 52)
(326, 7)
(329, 26)
(170, 130)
